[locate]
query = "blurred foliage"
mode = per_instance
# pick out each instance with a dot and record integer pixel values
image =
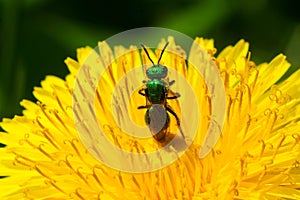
(37, 35)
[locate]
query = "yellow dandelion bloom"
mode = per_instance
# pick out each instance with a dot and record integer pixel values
(256, 156)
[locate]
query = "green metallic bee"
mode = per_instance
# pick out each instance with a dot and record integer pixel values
(157, 93)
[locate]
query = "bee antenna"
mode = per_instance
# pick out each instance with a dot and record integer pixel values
(162, 52)
(143, 46)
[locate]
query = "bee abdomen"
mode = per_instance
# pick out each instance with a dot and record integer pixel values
(158, 121)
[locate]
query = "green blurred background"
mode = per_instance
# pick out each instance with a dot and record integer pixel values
(37, 35)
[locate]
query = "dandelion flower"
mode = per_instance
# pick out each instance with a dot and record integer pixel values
(256, 157)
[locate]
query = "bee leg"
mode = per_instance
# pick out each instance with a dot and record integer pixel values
(142, 107)
(141, 92)
(171, 82)
(170, 110)
(177, 95)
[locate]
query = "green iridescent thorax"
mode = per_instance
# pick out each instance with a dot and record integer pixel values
(156, 91)
(157, 72)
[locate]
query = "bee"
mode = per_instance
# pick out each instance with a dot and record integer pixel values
(156, 92)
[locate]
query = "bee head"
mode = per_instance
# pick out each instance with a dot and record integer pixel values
(157, 72)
